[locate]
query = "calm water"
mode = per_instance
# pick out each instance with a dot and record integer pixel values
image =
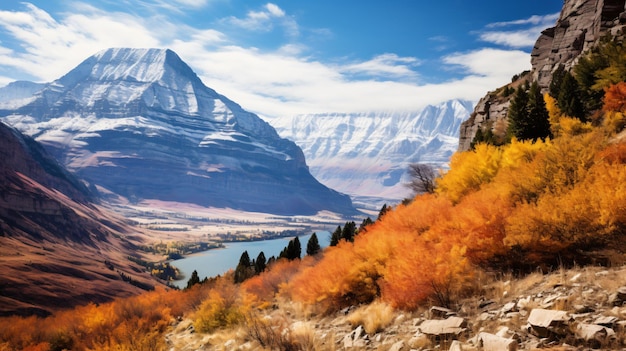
(214, 262)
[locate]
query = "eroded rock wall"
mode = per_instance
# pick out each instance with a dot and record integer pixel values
(580, 25)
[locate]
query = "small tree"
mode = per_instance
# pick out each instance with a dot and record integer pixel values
(260, 264)
(335, 237)
(382, 211)
(292, 251)
(518, 112)
(195, 279)
(313, 246)
(366, 222)
(349, 231)
(244, 268)
(422, 178)
(569, 98)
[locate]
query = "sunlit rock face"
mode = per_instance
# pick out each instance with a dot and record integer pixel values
(581, 24)
(140, 123)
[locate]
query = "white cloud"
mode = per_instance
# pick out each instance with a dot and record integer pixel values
(265, 20)
(491, 62)
(545, 21)
(519, 37)
(514, 39)
(270, 83)
(385, 65)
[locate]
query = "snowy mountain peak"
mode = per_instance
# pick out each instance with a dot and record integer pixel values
(140, 123)
(367, 154)
(138, 65)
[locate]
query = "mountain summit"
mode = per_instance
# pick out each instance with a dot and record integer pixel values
(140, 123)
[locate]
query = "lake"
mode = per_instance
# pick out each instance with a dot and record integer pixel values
(218, 261)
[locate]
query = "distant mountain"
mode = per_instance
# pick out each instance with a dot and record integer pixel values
(140, 123)
(57, 248)
(367, 154)
(15, 93)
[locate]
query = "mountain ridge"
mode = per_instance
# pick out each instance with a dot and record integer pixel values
(335, 145)
(124, 116)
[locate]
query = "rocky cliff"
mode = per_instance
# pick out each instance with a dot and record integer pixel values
(581, 24)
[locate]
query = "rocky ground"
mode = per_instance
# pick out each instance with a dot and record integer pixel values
(575, 309)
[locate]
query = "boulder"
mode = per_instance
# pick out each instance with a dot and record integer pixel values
(491, 342)
(545, 323)
(595, 335)
(443, 328)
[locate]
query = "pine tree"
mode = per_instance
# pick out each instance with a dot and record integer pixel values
(296, 250)
(335, 237)
(244, 268)
(518, 113)
(260, 264)
(366, 222)
(349, 231)
(292, 251)
(382, 212)
(557, 80)
(569, 98)
(538, 117)
(195, 279)
(313, 245)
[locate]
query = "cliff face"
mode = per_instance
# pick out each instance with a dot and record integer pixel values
(581, 24)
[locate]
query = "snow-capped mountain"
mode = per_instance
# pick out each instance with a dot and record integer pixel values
(140, 123)
(367, 154)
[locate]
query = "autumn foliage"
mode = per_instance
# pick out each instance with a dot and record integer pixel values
(517, 207)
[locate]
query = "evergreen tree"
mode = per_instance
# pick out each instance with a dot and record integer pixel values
(244, 268)
(335, 237)
(296, 250)
(195, 279)
(292, 251)
(538, 117)
(557, 80)
(366, 222)
(349, 231)
(313, 246)
(260, 264)
(518, 112)
(569, 98)
(528, 116)
(382, 212)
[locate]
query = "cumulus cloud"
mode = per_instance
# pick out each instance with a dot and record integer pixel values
(269, 82)
(265, 20)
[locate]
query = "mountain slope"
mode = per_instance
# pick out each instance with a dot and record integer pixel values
(367, 154)
(57, 249)
(140, 123)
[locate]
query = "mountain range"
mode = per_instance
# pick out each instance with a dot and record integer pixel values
(367, 154)
(141, 124)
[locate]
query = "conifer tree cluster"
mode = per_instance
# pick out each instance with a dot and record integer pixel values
(528, 116)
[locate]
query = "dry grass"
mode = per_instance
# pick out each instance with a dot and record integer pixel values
(374, 317)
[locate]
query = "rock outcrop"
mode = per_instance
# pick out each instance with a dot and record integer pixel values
(581, 24)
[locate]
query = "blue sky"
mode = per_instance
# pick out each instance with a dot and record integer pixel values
(287, 57)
